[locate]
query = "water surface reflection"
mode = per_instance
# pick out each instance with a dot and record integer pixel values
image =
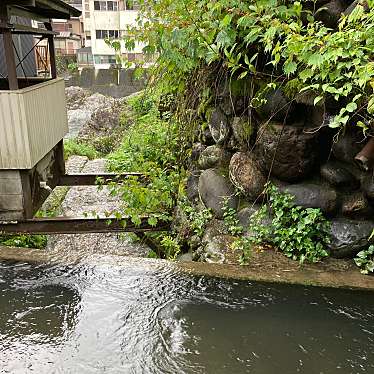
(144, 317)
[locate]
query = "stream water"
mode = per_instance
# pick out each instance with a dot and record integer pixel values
(143, 316)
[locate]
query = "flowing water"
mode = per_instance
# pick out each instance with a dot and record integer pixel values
(142, 316)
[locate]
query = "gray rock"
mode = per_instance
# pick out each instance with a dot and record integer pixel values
(368, 187)
(335, 173)
(351, 7)
(214, 228)
(213, 156)
(185, 257)
(307, 97)
(75, 97)
(246, 175)
(330, 13)
(347, 147)
(277, 106)
(197, 149)
(219, 126)
(243, 130)
(215, 251)
(348, 237)
(91, 113)
(354, 204)
(214, 189)
(192, 186)
(310, 195)
(245, 214)
(291, 153)
(207, 137)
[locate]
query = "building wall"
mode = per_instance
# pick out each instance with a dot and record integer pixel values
(118, 20)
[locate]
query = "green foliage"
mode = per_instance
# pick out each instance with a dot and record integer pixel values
(243, 245)
(150, 146)
(73, 67)
(300, 233)
(25, 241)
(197, 219)
(277, 41)
(231, 220)
(171, 247)
(75, 147)
(365, 260)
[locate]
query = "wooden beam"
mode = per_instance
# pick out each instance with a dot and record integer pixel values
(8, 49)
(52, 52)
(63, 225)
(26, 13)
(23, 29)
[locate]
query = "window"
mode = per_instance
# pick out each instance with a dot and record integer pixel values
(106, 5)
(70, 26)
(104, 34)
(112, 5)
(87, 6)
(87, 14)
(105, 59)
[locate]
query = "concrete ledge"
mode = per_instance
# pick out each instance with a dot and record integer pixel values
(347, 277)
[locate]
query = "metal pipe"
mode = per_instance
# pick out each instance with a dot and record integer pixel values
(365, 158)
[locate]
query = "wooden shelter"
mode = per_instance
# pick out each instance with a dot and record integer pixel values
(33, 123)
(33, 117)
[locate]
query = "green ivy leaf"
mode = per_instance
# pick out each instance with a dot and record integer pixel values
(289, 67)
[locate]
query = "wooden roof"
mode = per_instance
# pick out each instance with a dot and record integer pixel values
(41, 9)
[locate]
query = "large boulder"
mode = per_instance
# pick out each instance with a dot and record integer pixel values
(192, 186)
(348, 237)
(337, 175)
(245, 214)
(330, 13)
(243, 130)
(75, 97)
(309, 195)
(356, 204)
(213, 156)
(277, 106)
(347, 146)
(214, 190)
(290, 151)
(245, 217)
(246, 175)
(219, 126)
(197, 150)
(216, 250)
(368, 187)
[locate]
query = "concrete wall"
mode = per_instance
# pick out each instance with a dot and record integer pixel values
(110, 82)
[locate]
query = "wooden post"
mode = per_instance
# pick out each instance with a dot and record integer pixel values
(52, 53)
(8, 49)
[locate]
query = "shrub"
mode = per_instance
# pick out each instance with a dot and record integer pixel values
(26, 241)
(300, 233)
(74, 147)
(365, 260)
(151, 147)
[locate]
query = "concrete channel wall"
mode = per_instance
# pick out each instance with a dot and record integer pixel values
(109, 82)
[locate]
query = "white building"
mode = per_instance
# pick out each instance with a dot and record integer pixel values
(108, 19)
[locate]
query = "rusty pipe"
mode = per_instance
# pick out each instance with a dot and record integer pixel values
(365, 158)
